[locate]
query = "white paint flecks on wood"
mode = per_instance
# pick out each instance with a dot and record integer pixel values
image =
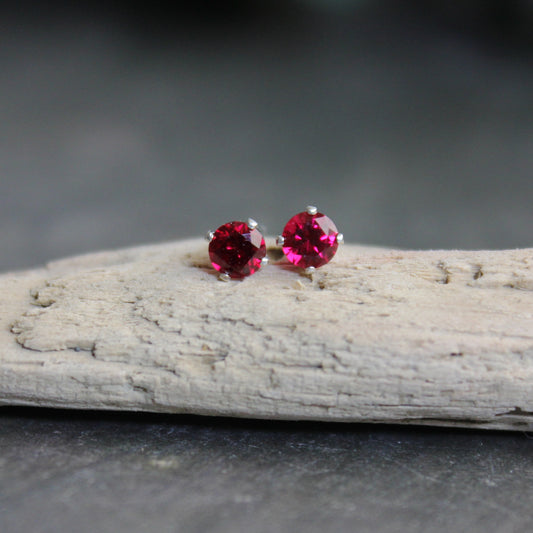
(433, 337)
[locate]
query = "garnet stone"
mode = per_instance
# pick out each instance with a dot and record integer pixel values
(236, 249)
(310, 239)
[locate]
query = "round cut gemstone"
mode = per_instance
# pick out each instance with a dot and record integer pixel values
(237, 250)
(310, 240)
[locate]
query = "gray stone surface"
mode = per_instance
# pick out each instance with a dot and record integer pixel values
(69, 471)
(117, 129)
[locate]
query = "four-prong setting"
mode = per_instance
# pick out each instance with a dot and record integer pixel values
(310, 239)
(237, 249)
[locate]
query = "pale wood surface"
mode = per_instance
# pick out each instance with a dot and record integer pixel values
(433, 337)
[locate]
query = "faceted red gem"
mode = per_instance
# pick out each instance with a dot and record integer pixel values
(237, 250)
(310, 240)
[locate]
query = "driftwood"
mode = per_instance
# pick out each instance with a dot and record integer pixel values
(434, 337)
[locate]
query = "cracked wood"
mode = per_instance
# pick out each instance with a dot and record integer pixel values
(434, 337)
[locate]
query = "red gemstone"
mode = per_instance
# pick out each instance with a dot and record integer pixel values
(310, 240)
(237, 250)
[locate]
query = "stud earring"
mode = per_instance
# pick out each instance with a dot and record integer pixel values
(237, 249)
(310, 239)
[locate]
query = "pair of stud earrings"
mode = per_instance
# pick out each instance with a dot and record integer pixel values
(237, 249)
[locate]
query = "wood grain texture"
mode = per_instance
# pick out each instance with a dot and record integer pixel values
(433, 337)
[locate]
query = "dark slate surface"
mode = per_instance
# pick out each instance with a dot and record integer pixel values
(409, 126)
(118, 472)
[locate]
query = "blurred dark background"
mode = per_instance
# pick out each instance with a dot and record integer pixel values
(410, 123)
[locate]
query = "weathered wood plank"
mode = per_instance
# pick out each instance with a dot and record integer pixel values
(432, 337)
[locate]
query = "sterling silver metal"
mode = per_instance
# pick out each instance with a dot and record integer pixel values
(264, 261)
(309, 270)
(209, 236)
(223, 276)
(252, 224)
(280, 240)
(311, 210)
(340, 238)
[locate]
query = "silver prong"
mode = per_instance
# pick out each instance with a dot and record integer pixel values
(280, 240)
(252, 224)
(340, 238)
(311, 210)
(223, 276)
(309, 271)
(264, 261)
(209, 236)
